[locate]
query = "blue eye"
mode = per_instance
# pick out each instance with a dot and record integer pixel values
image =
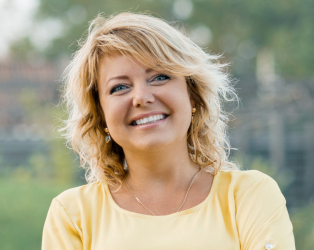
(117, 88)
(161, 78)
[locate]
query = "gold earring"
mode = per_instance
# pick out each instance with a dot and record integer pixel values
(193, 113)
(108, 138)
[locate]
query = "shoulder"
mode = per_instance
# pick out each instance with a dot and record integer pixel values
(247, 176)
(76, 208)
(243, 177)
(257, 207)
(247, 183)
(81, 197)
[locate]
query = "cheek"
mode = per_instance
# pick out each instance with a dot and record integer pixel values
(114, 114)
(179, 101)
(181, 97)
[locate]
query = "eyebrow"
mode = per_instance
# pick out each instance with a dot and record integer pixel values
(125, 77)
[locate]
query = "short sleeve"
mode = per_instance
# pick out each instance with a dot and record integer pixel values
(262, 218)
(59, 231)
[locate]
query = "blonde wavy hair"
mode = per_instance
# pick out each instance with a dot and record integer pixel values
(159, 46)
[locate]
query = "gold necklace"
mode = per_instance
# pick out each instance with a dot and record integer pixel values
(151, 212)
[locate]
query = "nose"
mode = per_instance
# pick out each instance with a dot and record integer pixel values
(143, 96)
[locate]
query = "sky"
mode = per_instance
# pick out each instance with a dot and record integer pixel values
(16, 20)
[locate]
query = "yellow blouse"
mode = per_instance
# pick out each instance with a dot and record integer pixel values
(244, 210)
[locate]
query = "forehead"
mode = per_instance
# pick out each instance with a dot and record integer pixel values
(117, 63)
(111, 66)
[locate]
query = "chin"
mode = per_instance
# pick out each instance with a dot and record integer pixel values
(152, 144)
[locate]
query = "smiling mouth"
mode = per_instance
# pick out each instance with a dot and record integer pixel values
(148, 120)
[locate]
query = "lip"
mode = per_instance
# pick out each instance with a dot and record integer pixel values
(146, 115)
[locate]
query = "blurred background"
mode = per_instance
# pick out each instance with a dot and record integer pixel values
(269, 45)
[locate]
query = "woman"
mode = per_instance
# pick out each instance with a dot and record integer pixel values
(146, 120)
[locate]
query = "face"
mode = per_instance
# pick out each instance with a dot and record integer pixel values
(144, 109)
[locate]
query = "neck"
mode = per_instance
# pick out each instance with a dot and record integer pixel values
(163, 169)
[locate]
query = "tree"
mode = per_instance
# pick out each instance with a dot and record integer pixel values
(237, 28)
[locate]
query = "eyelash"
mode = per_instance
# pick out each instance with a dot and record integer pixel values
(162, 75)
(114, 89)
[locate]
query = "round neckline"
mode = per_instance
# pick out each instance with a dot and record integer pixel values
(180, 213)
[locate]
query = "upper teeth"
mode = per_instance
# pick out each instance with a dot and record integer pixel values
(150, 119)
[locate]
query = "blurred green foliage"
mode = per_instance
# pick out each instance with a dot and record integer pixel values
(59, 163)
(23, 209)
(283, 177)
(239, 29)
(303, 226)
(27, 190)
